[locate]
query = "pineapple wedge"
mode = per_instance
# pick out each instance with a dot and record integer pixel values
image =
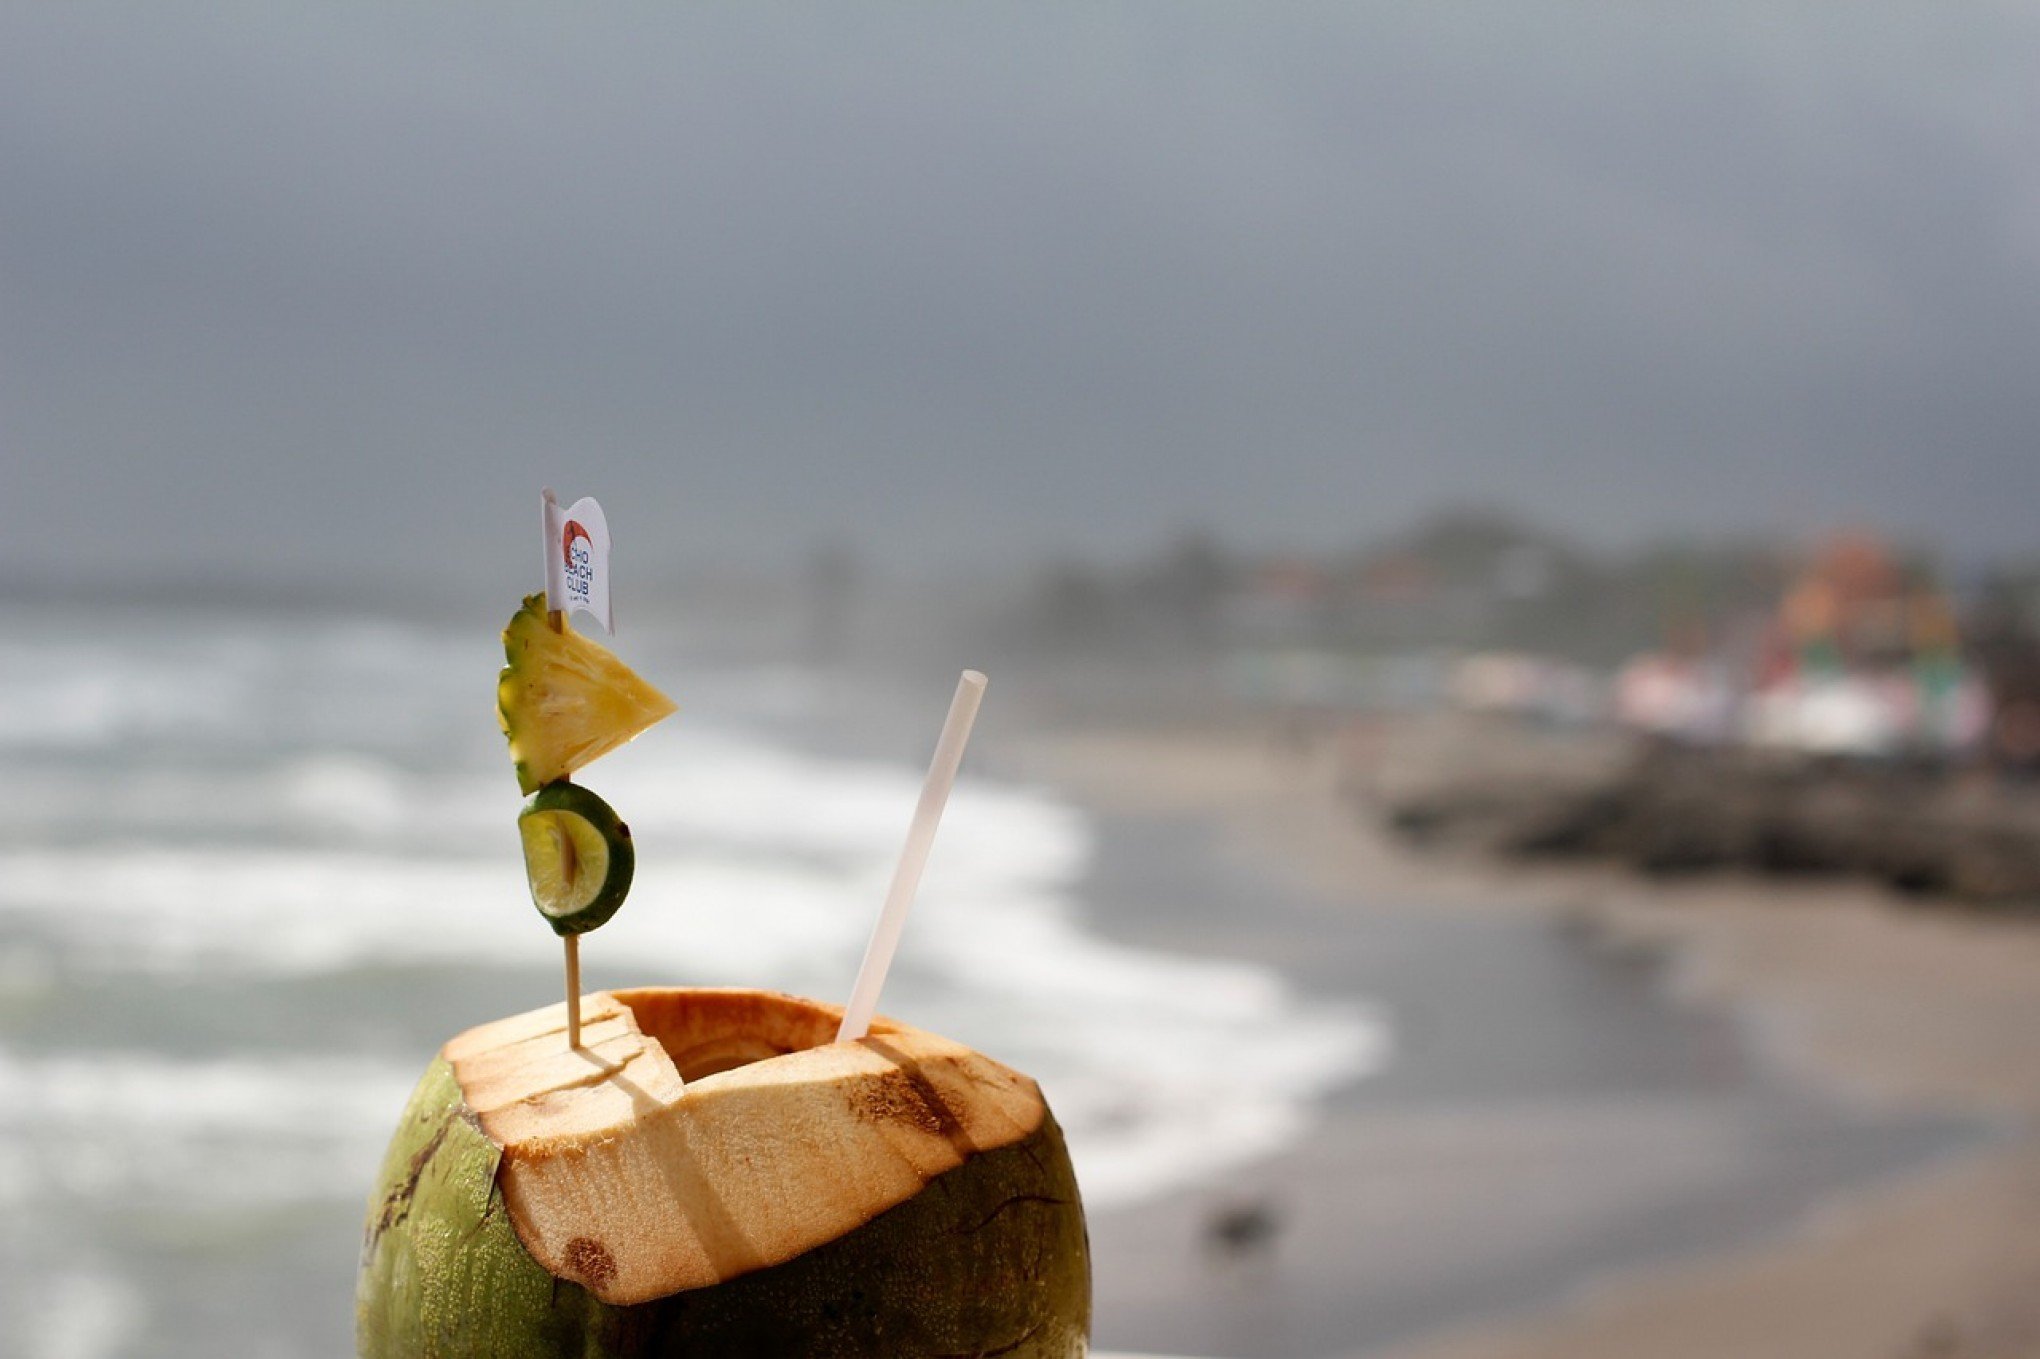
(564, 701)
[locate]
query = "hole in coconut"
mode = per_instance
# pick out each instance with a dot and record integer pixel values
(705, 1032)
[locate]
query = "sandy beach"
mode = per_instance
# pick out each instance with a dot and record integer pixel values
(1899, 1010)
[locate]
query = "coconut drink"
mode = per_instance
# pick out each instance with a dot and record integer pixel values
(711, 1174)
(706, 1171)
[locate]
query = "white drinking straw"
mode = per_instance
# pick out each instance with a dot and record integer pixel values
(878, 955)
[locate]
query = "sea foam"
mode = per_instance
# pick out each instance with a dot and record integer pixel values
(313, 843)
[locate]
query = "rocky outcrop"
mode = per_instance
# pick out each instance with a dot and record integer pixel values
(1928, 829)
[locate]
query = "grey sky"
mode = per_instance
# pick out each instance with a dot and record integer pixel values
(284, 286)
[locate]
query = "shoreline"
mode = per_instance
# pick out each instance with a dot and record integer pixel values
(1890, 1007)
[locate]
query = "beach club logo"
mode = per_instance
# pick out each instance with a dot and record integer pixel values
(577, 559)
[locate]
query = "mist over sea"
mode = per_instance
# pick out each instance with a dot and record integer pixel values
(256, 866)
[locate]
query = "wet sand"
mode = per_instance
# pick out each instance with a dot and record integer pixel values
(1826, 1150)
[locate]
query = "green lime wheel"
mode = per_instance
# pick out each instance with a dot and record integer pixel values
(577, 855)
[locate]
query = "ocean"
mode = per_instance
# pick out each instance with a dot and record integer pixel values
(256, 867)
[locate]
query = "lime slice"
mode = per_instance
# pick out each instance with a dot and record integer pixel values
(577, 855)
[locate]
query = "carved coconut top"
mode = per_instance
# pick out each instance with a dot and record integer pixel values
(701, 1134)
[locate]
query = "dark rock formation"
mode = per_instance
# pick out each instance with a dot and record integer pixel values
(1926, 829)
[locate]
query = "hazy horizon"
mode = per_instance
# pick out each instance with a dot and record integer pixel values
(300, 295)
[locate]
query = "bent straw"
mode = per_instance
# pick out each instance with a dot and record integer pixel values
(885, 939)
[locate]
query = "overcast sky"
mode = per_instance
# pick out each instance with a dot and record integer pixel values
(288, 289)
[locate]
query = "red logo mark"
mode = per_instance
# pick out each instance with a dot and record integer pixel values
(573, 531)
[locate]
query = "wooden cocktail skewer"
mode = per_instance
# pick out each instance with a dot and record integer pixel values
(573, 946)
(576, 556)
(557, 620)
(892, 919)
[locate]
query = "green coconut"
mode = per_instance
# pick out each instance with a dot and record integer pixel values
(710, 1174)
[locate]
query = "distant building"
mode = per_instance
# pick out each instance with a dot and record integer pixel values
(1862, 658)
